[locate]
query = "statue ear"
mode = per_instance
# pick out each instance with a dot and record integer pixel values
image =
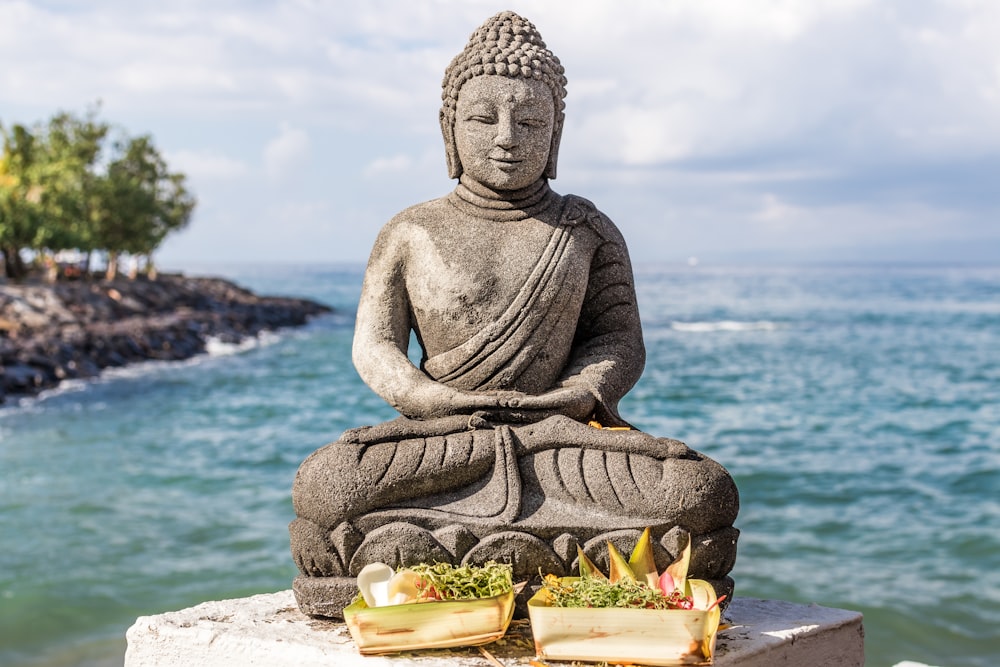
(550, 167)
(450, 151)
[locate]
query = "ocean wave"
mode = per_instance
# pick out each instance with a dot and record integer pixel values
(32, 402)
(723, 325)
(65, 387)
(216, 347)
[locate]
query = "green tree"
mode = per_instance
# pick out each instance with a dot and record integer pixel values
(73, 148)
(59, 189)
(20, 197)
(141, 202)
(47, 184)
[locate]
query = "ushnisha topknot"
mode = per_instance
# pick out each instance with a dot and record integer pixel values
(506, 45)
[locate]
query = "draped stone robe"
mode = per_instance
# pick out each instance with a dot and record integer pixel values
(572, 322)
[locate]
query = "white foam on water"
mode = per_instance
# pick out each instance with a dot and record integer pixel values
(723, 325)
(217, 348)
(28, 403)
(65, 387)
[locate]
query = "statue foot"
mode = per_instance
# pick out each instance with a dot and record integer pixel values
(324, 597)
(313, 551)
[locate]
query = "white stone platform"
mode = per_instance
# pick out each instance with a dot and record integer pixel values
(270, 630)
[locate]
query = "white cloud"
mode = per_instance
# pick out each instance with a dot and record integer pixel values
(386, 165)
(849, 79)
(297, 215)
(286, 154)
(857, 103)
(202, 165)
(776, 213)
(734, 74)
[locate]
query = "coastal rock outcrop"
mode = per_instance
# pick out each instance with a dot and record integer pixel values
(50, 333)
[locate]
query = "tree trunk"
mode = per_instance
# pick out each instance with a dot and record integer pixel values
(112, 270)
(13, 264)
(50, 267)
(151, 272)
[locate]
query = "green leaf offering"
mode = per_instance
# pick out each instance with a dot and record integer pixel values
(634, 583)
(443, 581)
(593, 592)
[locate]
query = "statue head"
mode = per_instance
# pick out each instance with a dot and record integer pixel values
(510, 46)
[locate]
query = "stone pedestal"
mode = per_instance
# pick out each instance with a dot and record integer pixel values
(270, 630)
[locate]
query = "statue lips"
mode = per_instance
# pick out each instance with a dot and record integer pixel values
(506, 163)
(504, 160)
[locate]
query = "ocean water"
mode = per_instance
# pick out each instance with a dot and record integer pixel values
(858, 409)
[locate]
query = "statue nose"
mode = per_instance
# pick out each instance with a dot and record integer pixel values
(505, 133)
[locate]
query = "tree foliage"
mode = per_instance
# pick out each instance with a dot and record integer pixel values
(76, 183)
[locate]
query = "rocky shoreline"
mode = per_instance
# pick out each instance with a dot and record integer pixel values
(51, 333)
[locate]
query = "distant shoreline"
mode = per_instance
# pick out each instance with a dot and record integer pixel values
(74, 330)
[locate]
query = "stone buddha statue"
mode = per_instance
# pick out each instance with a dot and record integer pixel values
(509, 445)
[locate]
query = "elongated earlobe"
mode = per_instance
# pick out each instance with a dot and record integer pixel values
(450, 151)
(550, 168)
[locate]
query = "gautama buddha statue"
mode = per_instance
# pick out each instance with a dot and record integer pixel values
(510, 445)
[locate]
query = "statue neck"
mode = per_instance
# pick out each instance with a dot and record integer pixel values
(481, 201)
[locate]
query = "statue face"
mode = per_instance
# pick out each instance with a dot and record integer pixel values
(503, 130)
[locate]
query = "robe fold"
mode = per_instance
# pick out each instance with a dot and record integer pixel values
(505, 349)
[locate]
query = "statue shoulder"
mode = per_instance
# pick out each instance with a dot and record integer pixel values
(420, 215)
(411, 223)
(579, 210)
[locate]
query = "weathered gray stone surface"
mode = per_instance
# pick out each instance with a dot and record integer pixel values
(524, 304)
(270, 630)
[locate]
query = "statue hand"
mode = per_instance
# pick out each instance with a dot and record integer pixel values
(402, 428)
(466, 402)
(577, 403)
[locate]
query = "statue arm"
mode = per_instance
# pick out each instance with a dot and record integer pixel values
(608, 351)
(382, 337)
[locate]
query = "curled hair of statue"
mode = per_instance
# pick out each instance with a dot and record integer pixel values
(505, 45)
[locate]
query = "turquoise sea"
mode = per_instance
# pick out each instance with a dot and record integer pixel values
(858, 408)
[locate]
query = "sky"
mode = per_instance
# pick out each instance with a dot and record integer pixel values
(795, 131)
